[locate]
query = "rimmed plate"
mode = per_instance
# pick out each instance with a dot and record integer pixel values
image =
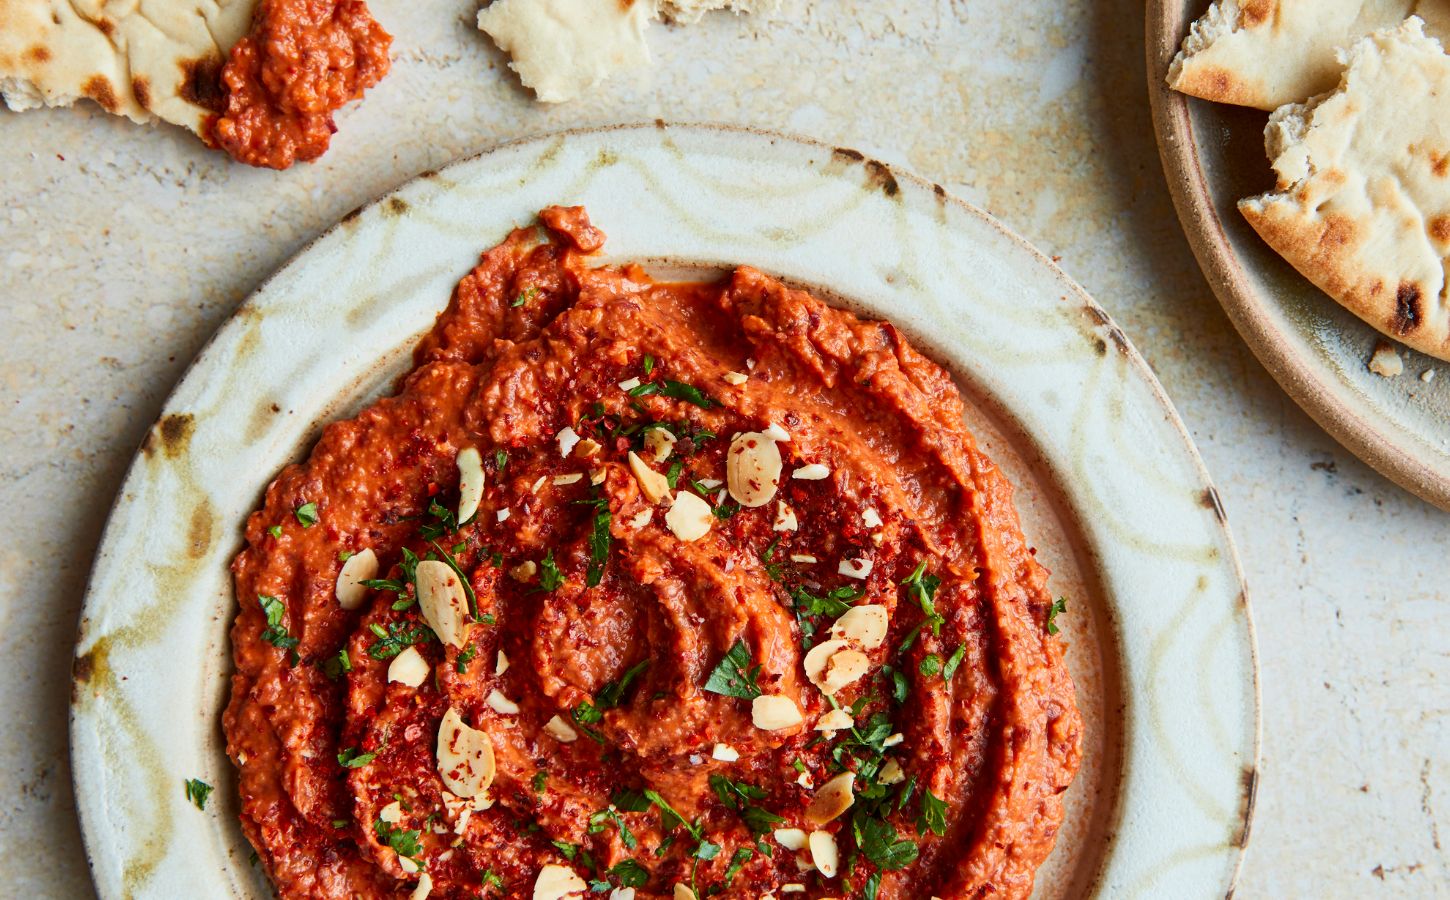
(1213, 156)
(1111, 490)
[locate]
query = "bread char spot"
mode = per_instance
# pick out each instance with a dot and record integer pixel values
(1407, 308)
(100, 90)
(142, 89)
(38, 54)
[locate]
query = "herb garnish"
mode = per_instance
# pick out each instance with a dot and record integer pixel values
(306, 514)
(350, 758)
(740, 797)
(550, 578)
(734, 676)
(335, 667)
(601, 819)
(616, 692)
(468, 593)
(930, 665)
(737, 862)
(397, 637)
(630, 873)
(933, 815)
(524, 297)
(672, 477)
(404, 843)
(275, 633)
(950, 669)
(879, 843)
(649, 364)
(539, 781)
(599, 544)
(275, 531)
(1058, 606)
(197, 791)
(465, 656)
(923, 587)
(675, 390)
(408, 568)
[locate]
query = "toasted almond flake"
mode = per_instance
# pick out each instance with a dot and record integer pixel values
(835, 720)
(832, 799)
(537, 485)
(392, 813)
(470, 482)
(773, 712)
(557, 882)
(877, 538)
(750, 363)
(406, 864)
(361, 566)
(655, 486)
(683, 892)
(503, 514)
(561, 731)
(855, 568)
(720, 497)
(811, 472)
(629, 384)
(622, 893)
(501, 704)
(425, 885)
(752, 469)
(442, 602)
(871, 518)
(893, 740)
(597, 476)
(659, 443)
(824, 853)
(502, 664)
(802, 558)
(866, 625)
(891, 773)
(465, 756)
(804, 780)
(689, 517)
(642, 518)
(792, 888)
(844, 668)
(735, 378)
(408, 667)
(791, 838)
(571, 478)
(524, 570)
(818, 656)
(587, 449)
(785, 519)
(567, 438)
(725, 753)
(776, 433)
(710, 484)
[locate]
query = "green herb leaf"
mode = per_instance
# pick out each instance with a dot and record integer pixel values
(630, 800)
(649, 364)
(737, 862)
(465, 656)
(1058, 606)
(306, 514)
(899, 685)
(872, 885)
(933, 815)
(950, 669)
(500, 458)
(396, 638)
(350, 758)
(734, 676)
(275, 531)
(335, 667)
(540, 781)
(707, 850)
(630, 873)
(614, 693)
(672, 477)
(878, 843)
(598, 547)
(930, 665)
(275, 633)
(550, 578)
(524, 297)
(197, 791)
(726, 510)
(669, 818)
(403, 842)
(600, 820)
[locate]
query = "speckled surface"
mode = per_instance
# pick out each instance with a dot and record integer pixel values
(123, 248)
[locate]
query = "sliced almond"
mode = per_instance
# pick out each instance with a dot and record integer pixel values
(561, 731)
(567, 439)
(811, 472)
(865, 625)
(871, 518)
(683, 892)
(776, 433)
(442, 602)
(710, 484)
(642, 518)
(735, 378)
(834, 798)
(893, 740)
(622, 893)
(557, 882)
(725, 753)
(659, 443)
(803, 558)
(502, 665)
(818, 656)
(629, 384)
(891, 773)
(785, 519)
(655, 486)
(571, 478)
(587, 449)
(524, 570)
(835, 720)
(824, 853)
(408, 667)
(597, 477)
(406, 864)
(360, 567)
(855, 568)
(539, 483)
(791, 838)
(793, 888)
(470, 482)
(465, 756)
(689, 517)
(392, 813)
(752, 469)
(501, 704)
(424, 888)
(773, 712)
(502, 515)
(843, 669)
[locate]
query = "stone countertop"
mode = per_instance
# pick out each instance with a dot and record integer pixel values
(122, 248)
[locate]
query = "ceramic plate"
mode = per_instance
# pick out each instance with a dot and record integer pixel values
(1214, 156)
(1110, 489)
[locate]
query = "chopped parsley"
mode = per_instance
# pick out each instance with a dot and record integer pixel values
(950, 669)
(615, 693)
(734, 676)
(585, 715)
(408, 568)
(672, 477)
(598, 545)
(275, 531)
(335, 667)
(344, 555)
(923, 588)
(872, 885)
(500, 458)
(879, 844)
(933, 815)
(833, 604)
(1058, 606)
(737, 862)
(740, 797)
(306, 514)
(599, 821)
(897, 679)
(930, 665)
(726, 510)
(550, 578)
(465, 656)
(197, 791)
(350, 758)
(404, 843)
(649, 364)
(539, 781)
(675, 390)
(630, 873)
(275, 633)
(524, 297)
(397, 637)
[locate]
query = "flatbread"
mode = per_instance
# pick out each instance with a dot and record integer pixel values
(562, 48)
(692, 10)
(150, 60)
(1265, 53)
(1362, 206)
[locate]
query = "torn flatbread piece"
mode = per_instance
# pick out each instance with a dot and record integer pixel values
(1362, 206)
(692, 10)
(562, 48)
(1265, 53)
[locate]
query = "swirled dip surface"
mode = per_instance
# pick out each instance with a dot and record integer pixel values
(632, 688)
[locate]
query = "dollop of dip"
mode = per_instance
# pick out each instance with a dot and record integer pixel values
(654, 589)
(301, 62)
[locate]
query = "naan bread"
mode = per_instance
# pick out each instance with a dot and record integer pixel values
(1362, 206)
(561, 48)
(1266, 53)
(146, 60)
(692, 10)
